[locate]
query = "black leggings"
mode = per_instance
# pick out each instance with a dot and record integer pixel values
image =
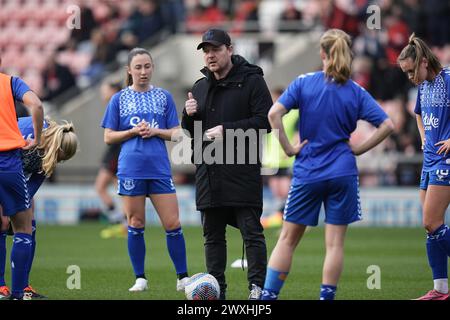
(247, 220)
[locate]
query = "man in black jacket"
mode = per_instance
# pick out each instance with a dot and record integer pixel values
(232, 101)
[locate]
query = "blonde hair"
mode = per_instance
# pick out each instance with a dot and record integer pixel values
(58, 143)
(336, 44)
(417, 49)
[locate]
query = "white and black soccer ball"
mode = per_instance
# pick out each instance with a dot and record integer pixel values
(202, 286)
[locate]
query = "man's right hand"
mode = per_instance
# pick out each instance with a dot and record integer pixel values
(190, 105)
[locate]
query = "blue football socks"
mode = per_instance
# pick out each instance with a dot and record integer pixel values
(177, 249)
(273, 284)
(20, 255)
(136, 249)
(437, 258)
(327, 292)
(33, 247)
(442, 236)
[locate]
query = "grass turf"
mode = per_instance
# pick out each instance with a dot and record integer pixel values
(106, 271)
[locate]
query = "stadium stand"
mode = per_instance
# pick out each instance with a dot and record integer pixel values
(279, 35)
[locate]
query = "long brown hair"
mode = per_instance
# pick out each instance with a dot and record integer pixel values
(417, 49)
(134, 52)
(337, 46)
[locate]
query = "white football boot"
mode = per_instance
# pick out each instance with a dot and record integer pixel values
(140, 285)
(182, 283)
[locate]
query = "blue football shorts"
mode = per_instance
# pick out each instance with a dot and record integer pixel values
(340, 197)
(14, 196)
(435, 177)
(140, 187)
(34, 183)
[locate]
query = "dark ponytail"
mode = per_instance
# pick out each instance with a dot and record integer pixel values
(417, 49)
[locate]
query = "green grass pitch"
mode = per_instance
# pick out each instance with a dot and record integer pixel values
(106, 271)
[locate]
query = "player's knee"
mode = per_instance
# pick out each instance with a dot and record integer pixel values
(21, 227)
(172, 224)
(431, 225)
(289, 239)
(100, 186)
(136, 222)
(334, 246)
(22, 220)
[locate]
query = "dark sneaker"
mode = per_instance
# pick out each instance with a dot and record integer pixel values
(26, 296)
(32, 293)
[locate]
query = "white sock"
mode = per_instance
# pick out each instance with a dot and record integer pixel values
(441, 285)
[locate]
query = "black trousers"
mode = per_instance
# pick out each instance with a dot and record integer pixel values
(247, 220)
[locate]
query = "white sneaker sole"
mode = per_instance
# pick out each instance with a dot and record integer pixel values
(137, 289)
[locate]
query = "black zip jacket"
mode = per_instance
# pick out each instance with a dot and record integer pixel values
(239, 101)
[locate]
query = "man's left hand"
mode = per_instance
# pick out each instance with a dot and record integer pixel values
(215, 133)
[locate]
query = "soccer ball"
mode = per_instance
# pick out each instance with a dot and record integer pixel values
(202, 286)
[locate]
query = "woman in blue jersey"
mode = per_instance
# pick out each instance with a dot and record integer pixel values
(325, 169)
(58, 143)
(141, 117)
(432, 112)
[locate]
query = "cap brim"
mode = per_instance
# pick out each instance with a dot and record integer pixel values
(214, 43)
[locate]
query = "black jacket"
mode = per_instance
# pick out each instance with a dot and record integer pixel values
(239, 101)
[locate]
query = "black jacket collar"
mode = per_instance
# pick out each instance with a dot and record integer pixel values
(240, 70)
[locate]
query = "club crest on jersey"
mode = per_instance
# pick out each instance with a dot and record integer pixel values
(128, 184)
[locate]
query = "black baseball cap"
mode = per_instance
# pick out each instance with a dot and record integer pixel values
(216, 37)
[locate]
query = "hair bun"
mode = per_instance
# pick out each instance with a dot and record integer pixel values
(411, 40)
(68, 129)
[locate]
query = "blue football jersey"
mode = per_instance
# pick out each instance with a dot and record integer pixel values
(142, 158)
(26, 127)
(433, 105)
(328, 115)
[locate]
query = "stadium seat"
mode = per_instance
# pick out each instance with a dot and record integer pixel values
(34, 80)
(9, 56)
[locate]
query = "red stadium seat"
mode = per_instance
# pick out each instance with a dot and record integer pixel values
(9, 55)
(34, 57)
(26, 12)
(10, 11)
